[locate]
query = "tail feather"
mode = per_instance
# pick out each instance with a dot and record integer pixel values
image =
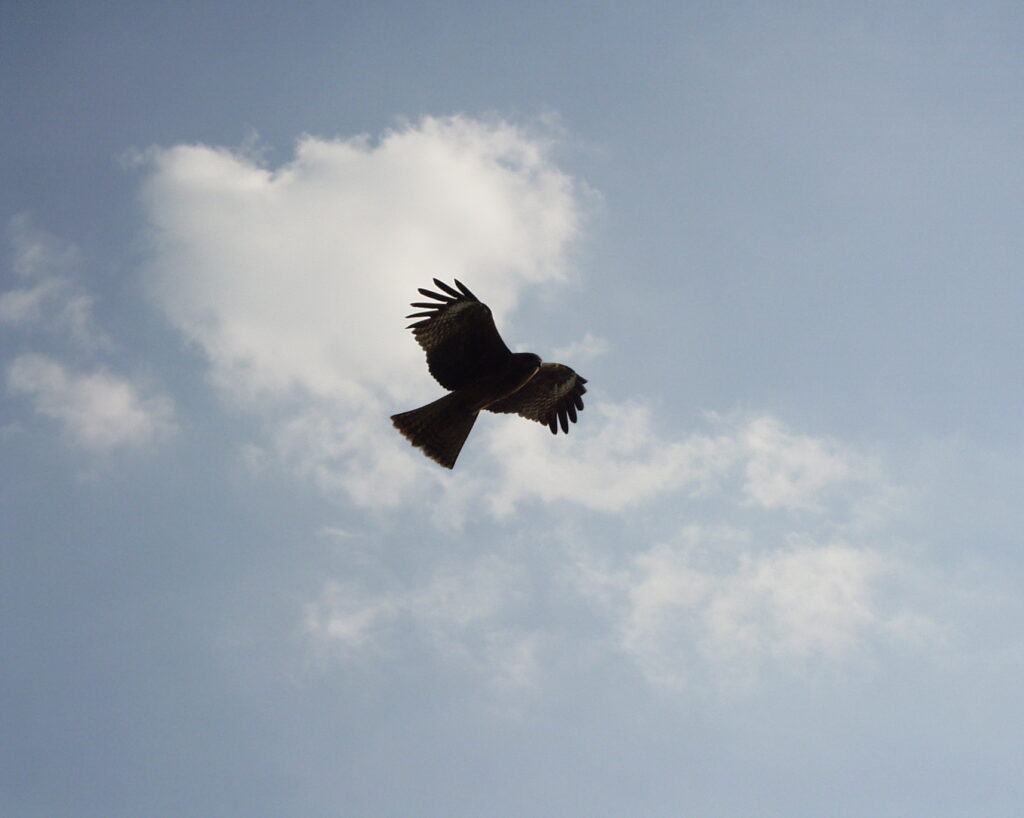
(439, 428)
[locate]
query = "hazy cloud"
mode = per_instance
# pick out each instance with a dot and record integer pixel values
(784, 576)
(98, 411)
(463, 612)
(784, 470)
(50, 297)
(349, 454)
(585, 349)
(717, 605)
(618, 459)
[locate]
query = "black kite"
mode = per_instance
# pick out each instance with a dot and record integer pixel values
(466, 355)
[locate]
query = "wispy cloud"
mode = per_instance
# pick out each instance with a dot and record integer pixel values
(348, 454)
(464, 612)
(715, 607)
(619, 459)
(786, 470)
(98, 411)
(51, 297)
(585, 349)
(784, 574)
(715, 604)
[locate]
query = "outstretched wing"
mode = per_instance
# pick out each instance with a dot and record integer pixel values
(458, 335)
(553, 396)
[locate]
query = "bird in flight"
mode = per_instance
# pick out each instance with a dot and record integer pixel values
(466, 355)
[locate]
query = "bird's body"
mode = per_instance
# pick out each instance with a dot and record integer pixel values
(501, 382)
(465, 354)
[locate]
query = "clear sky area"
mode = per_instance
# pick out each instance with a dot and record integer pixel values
(775, 569)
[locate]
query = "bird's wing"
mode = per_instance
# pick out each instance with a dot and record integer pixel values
(553, 396)
(458, 335)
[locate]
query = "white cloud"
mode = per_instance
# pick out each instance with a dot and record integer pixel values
(616, 459)
(297, 277)
(98, 411)
(294, 281)
(612, 461)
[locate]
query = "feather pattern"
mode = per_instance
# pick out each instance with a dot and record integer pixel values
(457, 333)
(553, 397)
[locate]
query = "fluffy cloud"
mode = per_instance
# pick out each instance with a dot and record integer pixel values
(99, 411)
(293, 281)
(296, 277)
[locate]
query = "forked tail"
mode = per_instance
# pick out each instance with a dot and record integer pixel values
(439, 428)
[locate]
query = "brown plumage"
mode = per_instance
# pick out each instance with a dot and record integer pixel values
(466, 355)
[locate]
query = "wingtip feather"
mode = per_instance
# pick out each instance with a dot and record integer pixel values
(435, 296)
(465, 290)
(447, 288)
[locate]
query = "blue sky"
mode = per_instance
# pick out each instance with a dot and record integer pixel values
(775, 569)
